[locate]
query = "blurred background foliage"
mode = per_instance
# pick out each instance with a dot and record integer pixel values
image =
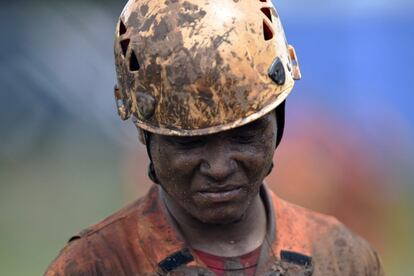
(67, 161)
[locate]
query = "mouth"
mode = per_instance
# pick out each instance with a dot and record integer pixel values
(221, 194)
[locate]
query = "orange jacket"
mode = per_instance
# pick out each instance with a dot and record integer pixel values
(140, 240)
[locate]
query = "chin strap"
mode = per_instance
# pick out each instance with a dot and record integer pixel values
(151, 171)
(280, 120)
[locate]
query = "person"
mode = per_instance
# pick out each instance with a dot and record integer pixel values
(205, 82)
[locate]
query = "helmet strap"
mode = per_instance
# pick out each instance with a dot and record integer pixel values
(280, 120)
(151, 170)
(270, 169)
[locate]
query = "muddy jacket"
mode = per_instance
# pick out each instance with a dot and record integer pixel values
(141, 240)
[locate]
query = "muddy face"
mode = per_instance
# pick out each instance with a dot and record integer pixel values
(214, 178)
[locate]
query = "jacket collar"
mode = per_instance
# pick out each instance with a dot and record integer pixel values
(157, 235)
(166, 249)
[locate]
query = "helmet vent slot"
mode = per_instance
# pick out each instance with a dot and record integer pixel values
(267, 12)
(133, 62)
(122, 28)
(267, 31)
(124, 46)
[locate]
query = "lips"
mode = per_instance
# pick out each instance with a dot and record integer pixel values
(221, 194)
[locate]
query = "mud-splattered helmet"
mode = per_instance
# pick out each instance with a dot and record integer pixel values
(197, 67)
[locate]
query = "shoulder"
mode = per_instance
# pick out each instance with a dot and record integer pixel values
(338, 249)
(98, 248)
(335, 249)
(73, 259)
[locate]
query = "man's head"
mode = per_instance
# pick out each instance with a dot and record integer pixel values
(203, 79)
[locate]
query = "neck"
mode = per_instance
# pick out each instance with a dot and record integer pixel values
(228, 240)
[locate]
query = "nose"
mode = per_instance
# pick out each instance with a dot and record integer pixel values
(218, 163)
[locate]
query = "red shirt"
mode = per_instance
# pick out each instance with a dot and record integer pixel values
(246, 263)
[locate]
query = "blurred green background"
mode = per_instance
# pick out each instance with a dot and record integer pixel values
(67, 161)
